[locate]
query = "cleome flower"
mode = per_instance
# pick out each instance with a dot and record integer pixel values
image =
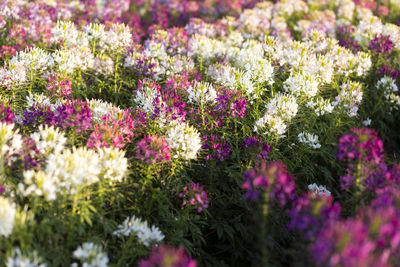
(141, 228)
(184, 140)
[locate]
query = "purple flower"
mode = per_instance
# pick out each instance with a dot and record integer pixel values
(167, 256)
(231, 103)
(381, 44)
(28, 156)
(257, 147)
(345, 36)
(74, 114)
(388, 70)
(311, 212)
(217, 146)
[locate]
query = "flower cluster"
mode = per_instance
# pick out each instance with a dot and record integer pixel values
(6, 114)
(168, 256)
(90, 255)
(217, 146)
(280, 109)
(258, 147)
(145, 234)
(67, 171)
(272, 178)
(115, 130)
(309, 140)
(184, 140)
(361, 144)
(195, 195)
(153, 149)
(59, 86)
(99, 97)
(7, 216)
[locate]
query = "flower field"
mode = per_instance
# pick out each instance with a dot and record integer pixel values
(199, 133)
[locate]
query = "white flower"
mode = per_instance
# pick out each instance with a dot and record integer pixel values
(145, 234)
(49, 139)
(309, 139)
(38, 100)
(7, 134)
(319, 189)
(114, 164)
(101, 108)
(275, 124)
(349, 98)
(390, 90)
(321, 106)
(103, 64)
(184, 140)
(206, 48)
(91, 255)
(282, 105)
(33, 59)
(367, 122)
(119, 37)
(201, 92)
(145, 98)
(64, 172)
(66, 32)
(301, 84)
(280, 109)
(7, 216)
(24, 259)
(223, 75)
(68, 170)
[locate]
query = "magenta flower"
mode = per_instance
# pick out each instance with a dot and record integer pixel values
(153, 149)
(361, 144)
(116, 130)
(272, 177)
(231, 103)
(195, 195)
(167, 256)
(74, 114)
(6, 114)
(59, 86)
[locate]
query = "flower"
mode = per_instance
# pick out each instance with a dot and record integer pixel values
(309, 140)
(152, 149)
(115, 130)
(217, 146)
(91, 255)
(381, 44)
(272, 177)
(167, 256)
(361, 144)
(195, 196)
(7, 216)
(18, 258)
(6, 114)
(145, 234)
(184, 140)
(257, 146)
